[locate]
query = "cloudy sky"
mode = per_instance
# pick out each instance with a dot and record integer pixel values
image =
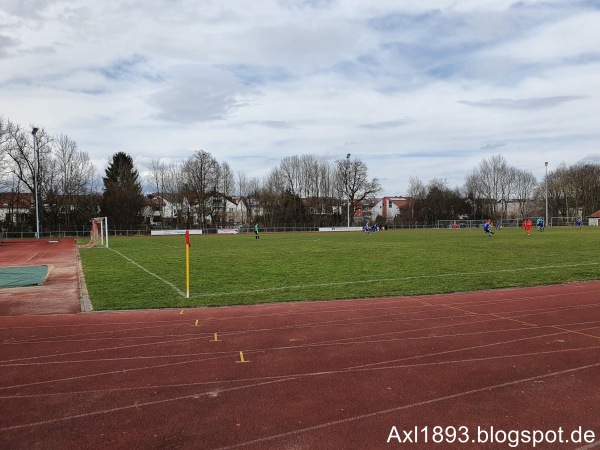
(421, 88)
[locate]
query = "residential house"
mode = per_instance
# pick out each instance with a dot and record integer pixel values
(221, 210)
(364, 212)
(390, 207)
(594, 219)
(14, 208)
(170, 211)
(247, 208)
(166, 210)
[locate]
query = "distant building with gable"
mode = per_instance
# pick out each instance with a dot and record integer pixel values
(594, 219)
(390, 207)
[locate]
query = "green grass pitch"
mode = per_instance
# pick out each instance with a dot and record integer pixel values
(149, 272)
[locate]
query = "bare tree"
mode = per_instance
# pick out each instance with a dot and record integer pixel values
(4, 167)
(157, 175)
(24, 158)
(249, 191)
(491, 184)
(573, 191)
(291, 174)
(202, 173)
(320, 191)
(353, 183)
(417, 193)
(524, 188)
(69, 182)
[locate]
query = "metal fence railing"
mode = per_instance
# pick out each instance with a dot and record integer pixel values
(440, 224)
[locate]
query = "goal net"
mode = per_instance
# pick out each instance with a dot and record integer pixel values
(98, 232)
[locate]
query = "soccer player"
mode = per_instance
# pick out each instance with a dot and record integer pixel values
(488, 228)
(256, 231)
(527, 224)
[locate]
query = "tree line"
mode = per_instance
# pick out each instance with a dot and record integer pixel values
(63, 174)
(301, 190)
(496, 190)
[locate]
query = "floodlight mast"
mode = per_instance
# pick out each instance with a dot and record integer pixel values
(348, 187)
(35, 182)
(546, 218)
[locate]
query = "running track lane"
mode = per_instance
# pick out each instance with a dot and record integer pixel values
(318, 375)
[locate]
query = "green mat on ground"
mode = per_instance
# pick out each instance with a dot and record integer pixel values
(22, 276)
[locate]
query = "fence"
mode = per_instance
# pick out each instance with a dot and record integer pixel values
(504, 223)
(440, 224)
(65, 234)
(563, 221)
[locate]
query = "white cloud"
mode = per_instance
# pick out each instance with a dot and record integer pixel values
(425, 88)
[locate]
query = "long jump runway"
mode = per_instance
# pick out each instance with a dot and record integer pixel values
(514, 368)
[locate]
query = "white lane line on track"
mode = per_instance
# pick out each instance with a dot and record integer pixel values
(306, 429)
(403, 407)
(302, 375)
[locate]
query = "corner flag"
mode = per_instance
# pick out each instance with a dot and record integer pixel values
(187, 262)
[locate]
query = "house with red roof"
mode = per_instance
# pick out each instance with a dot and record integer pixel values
(390, 207)
(594, 219)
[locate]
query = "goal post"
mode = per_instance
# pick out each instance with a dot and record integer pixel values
(103, 221)
(98, 232)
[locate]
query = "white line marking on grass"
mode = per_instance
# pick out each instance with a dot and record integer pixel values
(180, 292)
(379, 280)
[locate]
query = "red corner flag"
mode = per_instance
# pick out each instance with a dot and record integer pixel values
(187, 238)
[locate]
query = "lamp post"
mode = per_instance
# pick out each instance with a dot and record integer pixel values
(35, 182)
(546, 220)
(348, 187)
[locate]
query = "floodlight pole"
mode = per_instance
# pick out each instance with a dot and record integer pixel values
(348, 187)
(35, 182)
(546, 221)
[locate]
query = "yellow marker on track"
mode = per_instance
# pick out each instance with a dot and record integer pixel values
(242, 360)
(216, 339)
(181, 312)
(196, 322)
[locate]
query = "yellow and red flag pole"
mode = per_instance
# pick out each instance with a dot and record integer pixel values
(187, 262)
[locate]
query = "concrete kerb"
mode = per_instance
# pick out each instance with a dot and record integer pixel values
(84, 298)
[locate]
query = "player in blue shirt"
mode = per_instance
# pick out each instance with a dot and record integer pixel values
(488, 228)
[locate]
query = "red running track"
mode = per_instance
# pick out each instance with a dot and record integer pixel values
(60, 293)
(318, 375)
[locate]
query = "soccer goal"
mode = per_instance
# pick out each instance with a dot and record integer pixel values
(98, 233)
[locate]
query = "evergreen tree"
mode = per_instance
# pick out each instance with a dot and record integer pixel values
(122, 198)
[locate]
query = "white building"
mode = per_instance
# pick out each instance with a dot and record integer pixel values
(594, 219)
(389, 207)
